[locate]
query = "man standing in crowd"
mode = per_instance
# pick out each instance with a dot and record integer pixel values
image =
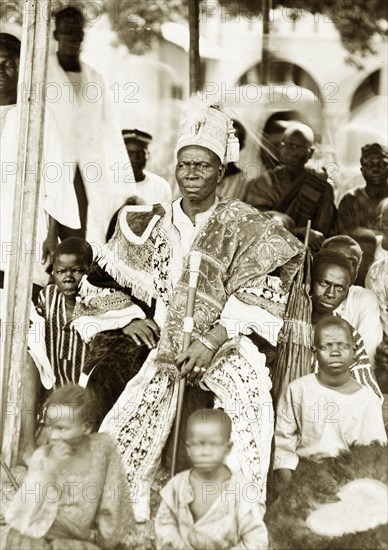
(57, 199)
(247, 265)
(93, 146)
(150, 187)
(359, 207)
(360, 307)
(295, 189)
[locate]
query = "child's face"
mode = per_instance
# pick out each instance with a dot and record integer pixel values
(334, 350)
(68, 270)
(207, 445)
(66, 425)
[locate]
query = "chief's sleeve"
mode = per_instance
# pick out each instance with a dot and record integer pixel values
(238, 317)
(286, 432)
(102, 308)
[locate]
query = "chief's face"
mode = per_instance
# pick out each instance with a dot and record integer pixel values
(330, 288)
(9, 71)
(69, 36)
(198, 172)
(374, 168)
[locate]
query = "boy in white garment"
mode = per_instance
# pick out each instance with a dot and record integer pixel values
(322, 414)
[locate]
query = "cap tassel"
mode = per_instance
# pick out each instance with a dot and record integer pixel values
(232, 148)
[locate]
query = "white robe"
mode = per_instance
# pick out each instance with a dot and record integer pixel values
(153, 189)
(57, 199)
(361, 309)
(92, 140)
(57, 196)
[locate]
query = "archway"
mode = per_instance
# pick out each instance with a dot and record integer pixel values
(368, 88)
(282, 71)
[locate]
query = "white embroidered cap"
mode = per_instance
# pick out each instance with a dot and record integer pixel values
(208, 126)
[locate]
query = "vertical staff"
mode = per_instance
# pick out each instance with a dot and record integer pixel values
(194, 57)
(188, 325)
(18, 280)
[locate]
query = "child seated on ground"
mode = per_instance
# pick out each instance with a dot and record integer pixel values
(209, 507)
(73, 495)
(321, 414)
(65, 348)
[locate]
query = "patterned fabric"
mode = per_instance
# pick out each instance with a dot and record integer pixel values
(146, 411)
(358, 209)
(65, 348)
(240, 247)
(309, 196)
(377, 280)
(73, 510)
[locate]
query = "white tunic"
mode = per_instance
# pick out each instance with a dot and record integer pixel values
(361, 309)
(316, 420)
(57, 195)
(92, 140)
(153, 189)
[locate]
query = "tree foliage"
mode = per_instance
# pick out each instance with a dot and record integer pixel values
(138, 22)
(357, 21)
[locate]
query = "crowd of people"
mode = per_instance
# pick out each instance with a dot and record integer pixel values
(103, 386)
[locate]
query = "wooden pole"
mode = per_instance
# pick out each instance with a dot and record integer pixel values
(19, 275)
(194, 58)
(266, 6)
(188, 325)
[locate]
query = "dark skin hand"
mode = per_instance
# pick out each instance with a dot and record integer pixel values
(51, 241)
(195, 361)
(143, 331)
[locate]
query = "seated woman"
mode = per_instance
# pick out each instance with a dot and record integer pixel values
(73, 495)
